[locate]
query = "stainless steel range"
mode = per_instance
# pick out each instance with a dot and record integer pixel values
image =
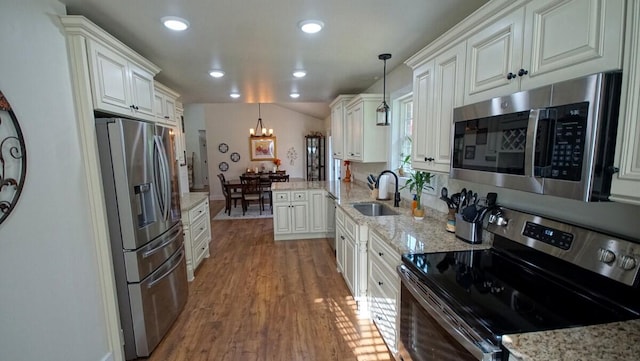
(540, 274)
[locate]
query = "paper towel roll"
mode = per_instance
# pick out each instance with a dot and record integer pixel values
(383, 188)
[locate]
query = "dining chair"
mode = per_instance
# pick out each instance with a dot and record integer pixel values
(228, 195)
(251, 193)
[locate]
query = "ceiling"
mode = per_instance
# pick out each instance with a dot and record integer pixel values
(258, 45)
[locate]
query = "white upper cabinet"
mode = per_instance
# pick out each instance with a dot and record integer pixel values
(164, 105)
(423, 98)
(438, 88)
(119, 85)
(626, 183)
(492, 55)
(544, 42)
(364, 141)
(568, 39)
(338, 114)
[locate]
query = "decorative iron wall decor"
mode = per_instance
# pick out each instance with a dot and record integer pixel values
(13, 159)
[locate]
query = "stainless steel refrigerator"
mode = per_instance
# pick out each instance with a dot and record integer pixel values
(143, 207)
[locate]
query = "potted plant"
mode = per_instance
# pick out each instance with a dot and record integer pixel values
(404, 161)
(417, 182)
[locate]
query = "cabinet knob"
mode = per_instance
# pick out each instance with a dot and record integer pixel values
(511, 76)
(522, 72)
(429, 159)
(166, 117)
(380, 283)
(380, 254)
(342, 237)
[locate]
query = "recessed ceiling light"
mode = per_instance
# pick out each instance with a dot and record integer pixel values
(299, 74)
(234, 95)
(311, 26)
(175, 23)
(216, 73)
(294, 95)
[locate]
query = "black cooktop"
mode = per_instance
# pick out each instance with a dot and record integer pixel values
(499, 293)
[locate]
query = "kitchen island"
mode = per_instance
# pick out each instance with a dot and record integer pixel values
(611, 341)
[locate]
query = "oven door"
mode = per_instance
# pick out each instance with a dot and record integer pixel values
(430, 330)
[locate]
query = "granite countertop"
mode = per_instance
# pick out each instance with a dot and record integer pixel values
(188, 200)
(406, 235)
(611, 341)
(402, 232)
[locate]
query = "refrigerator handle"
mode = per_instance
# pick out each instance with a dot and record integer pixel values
(168, 272)
(162, 182)
(170, 239)
(167, 180)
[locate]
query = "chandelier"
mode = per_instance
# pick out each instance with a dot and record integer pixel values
(260, 128)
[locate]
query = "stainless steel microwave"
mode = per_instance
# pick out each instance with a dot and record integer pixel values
(555, 140)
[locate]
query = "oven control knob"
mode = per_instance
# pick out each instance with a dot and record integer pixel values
(606, 256)
(627, 262)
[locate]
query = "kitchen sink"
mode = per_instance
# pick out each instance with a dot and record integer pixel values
(374, 209)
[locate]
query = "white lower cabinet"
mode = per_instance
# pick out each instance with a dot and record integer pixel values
(197, 234)
(384, 289)
(300, 214)
(351, 256)
(290, 214)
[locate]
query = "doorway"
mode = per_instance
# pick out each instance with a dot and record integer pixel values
(202, 176)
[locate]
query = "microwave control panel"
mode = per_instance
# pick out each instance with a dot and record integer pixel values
(569, 141)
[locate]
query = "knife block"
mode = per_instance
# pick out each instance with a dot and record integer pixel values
(468, 231)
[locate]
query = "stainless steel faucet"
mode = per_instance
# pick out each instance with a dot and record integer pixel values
(396, 197)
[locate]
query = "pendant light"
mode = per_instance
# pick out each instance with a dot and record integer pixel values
(383, 110)
(260, 128)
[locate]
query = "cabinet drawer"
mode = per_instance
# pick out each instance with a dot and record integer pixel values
(198, 211)
(381, 252)
(299, 196)
(384, 289)
(200, 231)
(385, 325)
(201, 252)
(281, 197)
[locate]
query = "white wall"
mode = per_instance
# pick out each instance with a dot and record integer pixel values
(50, 304)
(230, 122)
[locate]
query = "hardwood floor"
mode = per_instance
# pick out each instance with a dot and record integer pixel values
(256, 299)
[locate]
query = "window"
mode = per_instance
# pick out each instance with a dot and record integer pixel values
(405, 105)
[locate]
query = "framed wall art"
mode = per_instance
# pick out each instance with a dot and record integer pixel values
(262, 148)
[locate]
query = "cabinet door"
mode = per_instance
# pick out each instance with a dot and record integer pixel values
(449, 90)
(169, 110)
(554, 51)
(337, 131)
(422, 111)
(318, 221)
(158, 102)
(353, 131)
(300, 217)
(350, 264)
(494, 56)
(357, 123)
(142, 92)
(626, 183)
(340, 247)
(109, 74)
(282, 223)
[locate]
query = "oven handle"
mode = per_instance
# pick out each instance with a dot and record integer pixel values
(479, 348)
